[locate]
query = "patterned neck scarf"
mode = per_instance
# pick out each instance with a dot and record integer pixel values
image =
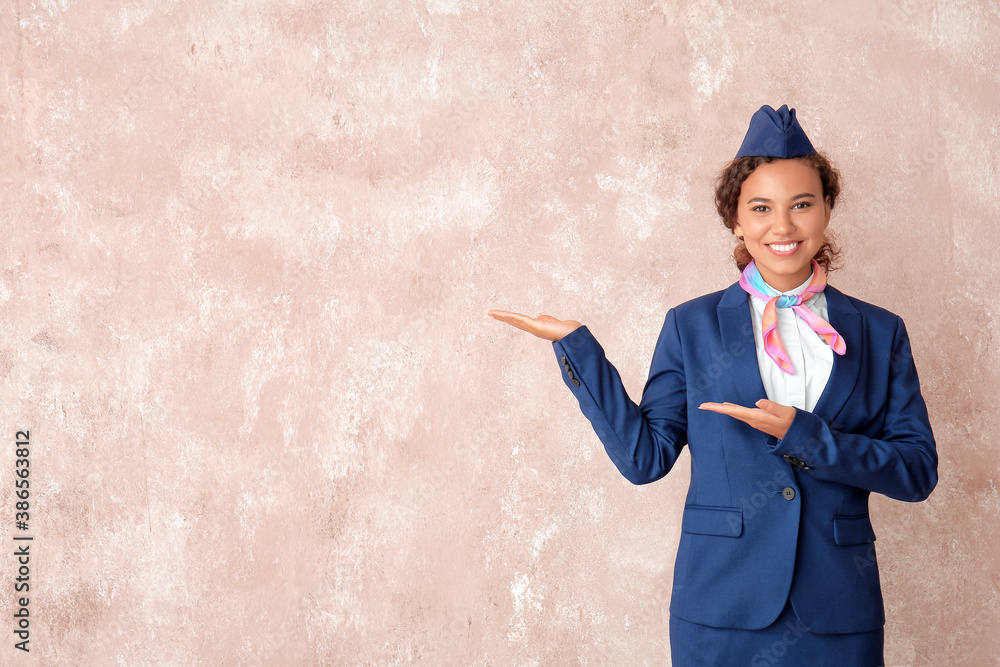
(754, 284)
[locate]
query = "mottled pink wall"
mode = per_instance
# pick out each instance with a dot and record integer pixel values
(247, 254)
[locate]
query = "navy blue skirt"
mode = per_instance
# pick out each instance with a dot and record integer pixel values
(784, 643)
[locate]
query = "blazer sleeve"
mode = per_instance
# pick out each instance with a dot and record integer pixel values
(644, 440)
(900, 463)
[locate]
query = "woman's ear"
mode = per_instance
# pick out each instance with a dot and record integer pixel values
(829, 209)
(738, 228)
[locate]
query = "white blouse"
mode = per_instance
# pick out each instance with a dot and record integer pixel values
(811, 357)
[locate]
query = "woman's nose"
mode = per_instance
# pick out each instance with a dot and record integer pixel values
(782, 222)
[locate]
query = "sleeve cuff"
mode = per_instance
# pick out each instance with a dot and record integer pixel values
(791, 446)
(566, 346)
(574, 339)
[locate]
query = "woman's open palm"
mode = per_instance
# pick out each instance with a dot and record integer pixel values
(543, 326)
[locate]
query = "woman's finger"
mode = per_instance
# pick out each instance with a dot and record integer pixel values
(504, 314)
(534, 326)
(516, 319)
(731, 409)
(779, 410)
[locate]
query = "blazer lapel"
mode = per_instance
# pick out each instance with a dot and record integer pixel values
(846, 319)
(736, 328)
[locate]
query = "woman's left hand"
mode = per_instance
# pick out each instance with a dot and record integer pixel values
(770, 417)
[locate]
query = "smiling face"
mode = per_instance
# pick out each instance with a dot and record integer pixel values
(782, 216)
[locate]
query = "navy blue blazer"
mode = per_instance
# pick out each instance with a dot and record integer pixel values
(756, 529)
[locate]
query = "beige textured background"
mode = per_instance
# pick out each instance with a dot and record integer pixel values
(247, 254)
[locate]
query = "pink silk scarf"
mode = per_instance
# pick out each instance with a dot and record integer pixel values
(754, 284)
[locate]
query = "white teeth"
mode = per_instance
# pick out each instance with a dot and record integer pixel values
(784, 247)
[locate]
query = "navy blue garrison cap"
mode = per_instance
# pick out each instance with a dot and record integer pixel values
(775, 134)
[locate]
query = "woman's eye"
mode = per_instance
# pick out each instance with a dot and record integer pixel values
(759, 209)
(802, 204)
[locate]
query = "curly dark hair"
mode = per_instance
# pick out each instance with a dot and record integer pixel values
(727, 198)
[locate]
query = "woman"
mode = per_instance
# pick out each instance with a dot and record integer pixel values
(797, 402)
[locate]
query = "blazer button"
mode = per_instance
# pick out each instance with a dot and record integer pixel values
(576, 382)
(788, 493)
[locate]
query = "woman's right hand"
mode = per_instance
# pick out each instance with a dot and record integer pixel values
(543, 326)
